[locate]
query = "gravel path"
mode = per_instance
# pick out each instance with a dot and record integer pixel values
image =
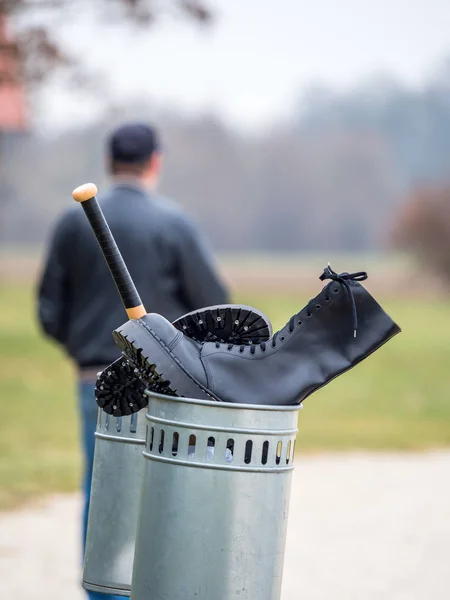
(361, 526)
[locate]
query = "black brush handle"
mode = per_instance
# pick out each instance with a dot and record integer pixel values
(85, 194)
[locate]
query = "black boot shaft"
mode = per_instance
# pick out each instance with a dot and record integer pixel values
(317, 345)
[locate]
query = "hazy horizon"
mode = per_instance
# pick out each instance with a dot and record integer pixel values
(254, 63)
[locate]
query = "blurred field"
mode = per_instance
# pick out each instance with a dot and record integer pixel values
(397, 399)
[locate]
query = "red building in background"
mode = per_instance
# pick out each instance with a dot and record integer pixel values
(13, 121)
(12, 98)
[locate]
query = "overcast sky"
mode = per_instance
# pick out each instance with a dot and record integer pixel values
(260, 55)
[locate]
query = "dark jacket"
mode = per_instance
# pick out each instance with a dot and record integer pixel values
(168, 261)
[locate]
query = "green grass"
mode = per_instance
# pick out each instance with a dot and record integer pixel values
(396, 399)
(39, 425)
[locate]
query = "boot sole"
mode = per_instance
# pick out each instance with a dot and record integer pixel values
(120, 388)
(225, 323)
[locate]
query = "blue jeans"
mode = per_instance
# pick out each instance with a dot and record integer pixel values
(88, 413)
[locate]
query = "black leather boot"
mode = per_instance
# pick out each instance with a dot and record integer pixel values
(338, 329)
(120, 387)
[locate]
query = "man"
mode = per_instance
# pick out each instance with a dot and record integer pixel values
(168, 260)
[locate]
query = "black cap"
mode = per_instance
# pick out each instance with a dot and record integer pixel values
(133, 142)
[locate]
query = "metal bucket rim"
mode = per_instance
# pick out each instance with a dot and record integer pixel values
(215, 404)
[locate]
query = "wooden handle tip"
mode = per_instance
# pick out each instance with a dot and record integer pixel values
(84, 192)
(136, 312)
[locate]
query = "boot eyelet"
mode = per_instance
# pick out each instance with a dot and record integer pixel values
(299, 322)
(336, 291)
(282, 338)
(308, 314)
(327, 299)
(318, 307)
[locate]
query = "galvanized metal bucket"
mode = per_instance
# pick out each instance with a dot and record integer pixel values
(214, 504)
(114, 504)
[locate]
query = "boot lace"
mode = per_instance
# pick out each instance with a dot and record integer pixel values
(328, 273)
(344, 279)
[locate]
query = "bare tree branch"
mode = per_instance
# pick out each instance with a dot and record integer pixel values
(34, 55)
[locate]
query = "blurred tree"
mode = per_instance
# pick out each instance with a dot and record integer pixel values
(413, 122)
(30, 53)
(37, 51)
(422, 227)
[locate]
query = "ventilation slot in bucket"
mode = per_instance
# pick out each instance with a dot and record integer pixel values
(191, 447)
(279, 449)
(229, 451)
(152, 436)
(248, 452)
(265, 452)
(210, 449)
(288, 453)
(161, 442)
(175, 439)
(133, 422)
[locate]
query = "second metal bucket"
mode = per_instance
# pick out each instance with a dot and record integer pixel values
(114, 505)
